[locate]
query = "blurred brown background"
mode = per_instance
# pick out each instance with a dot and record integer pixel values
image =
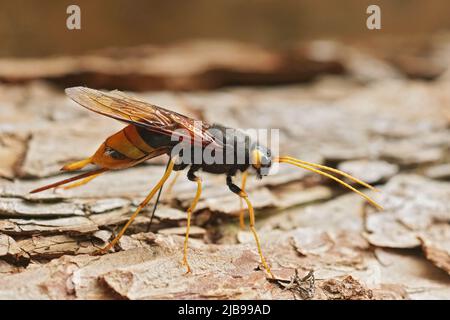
(38, 28)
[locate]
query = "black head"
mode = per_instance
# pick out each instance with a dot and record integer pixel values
(260, 159)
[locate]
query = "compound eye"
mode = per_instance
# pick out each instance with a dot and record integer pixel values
(265, 160)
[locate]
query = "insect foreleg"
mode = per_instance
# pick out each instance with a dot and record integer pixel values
(235, 189)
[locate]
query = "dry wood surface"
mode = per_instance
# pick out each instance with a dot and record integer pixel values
(383, 118)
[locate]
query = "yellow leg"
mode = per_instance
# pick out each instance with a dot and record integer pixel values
(242, 211)
(188, 226)
(81, 182)
(251, 213)
(139, 208)
(77, 165)
(172, 183)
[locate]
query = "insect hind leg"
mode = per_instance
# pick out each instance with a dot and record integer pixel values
(172, 184)
(192, 177)
(77, 165)
(139, 208)
(82, 182)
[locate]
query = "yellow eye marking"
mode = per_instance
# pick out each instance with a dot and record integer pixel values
(256, 157)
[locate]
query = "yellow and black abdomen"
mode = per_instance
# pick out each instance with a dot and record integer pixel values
(128, 147)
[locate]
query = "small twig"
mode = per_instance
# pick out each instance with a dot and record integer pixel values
(304, 287)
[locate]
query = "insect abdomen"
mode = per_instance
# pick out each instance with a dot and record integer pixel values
(153, 140)
(123, 149)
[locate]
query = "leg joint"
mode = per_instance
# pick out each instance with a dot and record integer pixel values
(234, 188)
(191, 174)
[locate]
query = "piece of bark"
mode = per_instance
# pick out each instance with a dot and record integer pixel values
(406, 154)
(342, 213)
(233, 278)
(229, 203)
(105, 205)
(390, 292)
(194, 231)
(14, 207)
(40, 247)
(329, 255)
(437, 254)
(262, 198)
(420, 279)
(435, 244)
(346, 289)
(11, 250)
(338, 250)
(441, 171)
(412, 206)
(309, 242)
(108, 185)
(49, 151)
(8, 269)
(366, 67)
(152, 270)
(137, 240)
(418, 67)
(12, 150)
(72, 225)
(369, 171)
(121, 216)
(85, 279)
(51, 281)
(295, 194)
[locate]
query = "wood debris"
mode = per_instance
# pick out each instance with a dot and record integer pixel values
(321, 241)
